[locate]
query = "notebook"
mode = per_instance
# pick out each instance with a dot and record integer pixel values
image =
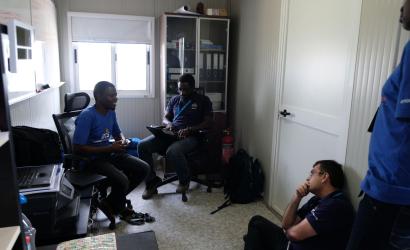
(161, 132)
(36, 176)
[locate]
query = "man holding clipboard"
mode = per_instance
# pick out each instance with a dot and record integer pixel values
(185, 115)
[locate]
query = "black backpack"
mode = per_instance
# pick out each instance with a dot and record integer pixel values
(36, 146)
(244, 180)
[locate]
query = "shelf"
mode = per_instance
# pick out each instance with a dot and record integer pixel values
(4, 137)
(205, 81)
(8, 236)
(212, 50)
(178, 49)
(30, 94)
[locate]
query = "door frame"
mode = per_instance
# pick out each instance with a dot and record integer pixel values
(280, 68)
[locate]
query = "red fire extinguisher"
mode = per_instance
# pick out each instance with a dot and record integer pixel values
(227, 146)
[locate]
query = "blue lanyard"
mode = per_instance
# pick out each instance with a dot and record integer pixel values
(179, 111)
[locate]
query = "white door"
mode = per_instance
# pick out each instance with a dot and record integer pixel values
(319, 62)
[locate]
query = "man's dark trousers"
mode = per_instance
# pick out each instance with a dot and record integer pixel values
(263, 234)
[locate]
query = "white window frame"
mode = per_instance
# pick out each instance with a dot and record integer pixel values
(150, 91)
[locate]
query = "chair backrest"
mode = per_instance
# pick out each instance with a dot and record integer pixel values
(65, 122)
(75, 101)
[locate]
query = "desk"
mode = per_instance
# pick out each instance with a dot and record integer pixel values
(8, 236)
(134, 241)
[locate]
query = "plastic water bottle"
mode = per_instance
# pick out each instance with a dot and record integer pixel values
(28, 229)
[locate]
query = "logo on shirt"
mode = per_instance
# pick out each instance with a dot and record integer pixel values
(194, 106)
(314, 213)
(405, 101)
(106, 135)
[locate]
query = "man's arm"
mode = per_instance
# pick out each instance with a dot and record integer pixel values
(117, 146)
(207, 123)
(290, 217)
(300, 231)
(294, 228)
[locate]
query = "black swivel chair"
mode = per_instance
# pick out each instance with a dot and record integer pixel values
(82, 180)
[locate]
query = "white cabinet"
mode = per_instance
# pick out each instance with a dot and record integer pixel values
(197, 45)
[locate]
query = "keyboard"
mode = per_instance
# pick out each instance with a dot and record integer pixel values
(26, 177)
(35, 176)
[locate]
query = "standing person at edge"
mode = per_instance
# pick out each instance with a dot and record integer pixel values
(186, 114)
(383, 216)
(323, 223)
(95, 126)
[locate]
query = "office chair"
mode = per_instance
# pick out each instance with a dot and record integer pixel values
(82, 180)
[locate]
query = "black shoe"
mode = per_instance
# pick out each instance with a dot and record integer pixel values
(151, 188)
(182, 188)
(149, 192)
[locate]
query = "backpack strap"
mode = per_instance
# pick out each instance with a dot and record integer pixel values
(225, 204)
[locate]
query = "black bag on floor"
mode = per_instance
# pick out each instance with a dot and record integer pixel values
(244, 180)
(36, 146)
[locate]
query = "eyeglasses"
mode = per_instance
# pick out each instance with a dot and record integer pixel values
(313, 172)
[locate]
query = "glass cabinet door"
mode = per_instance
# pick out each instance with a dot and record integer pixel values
(181, 51)
(212, 60)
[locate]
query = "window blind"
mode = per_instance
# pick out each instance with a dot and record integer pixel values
(86, 27)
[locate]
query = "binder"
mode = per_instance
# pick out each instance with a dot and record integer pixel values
(201, 66)
(221, 67)
(215, 68)
(208, 66)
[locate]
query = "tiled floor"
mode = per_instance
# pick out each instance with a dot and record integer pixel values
(187, 226)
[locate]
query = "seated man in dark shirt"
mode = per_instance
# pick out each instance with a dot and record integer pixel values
(95, 126)
(186, 114)
(323, 223)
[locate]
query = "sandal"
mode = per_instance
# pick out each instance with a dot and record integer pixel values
(130, 215)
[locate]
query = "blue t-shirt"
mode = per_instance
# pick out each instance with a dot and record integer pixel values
(199, 106)
(332, 219)
(388, 176)
(95, 129)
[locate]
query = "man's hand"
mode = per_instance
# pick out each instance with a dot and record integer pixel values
(169, 127)
(119, 146)
(183, 133)
(302, 190)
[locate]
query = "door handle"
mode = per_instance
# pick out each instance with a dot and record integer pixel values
(284, 113)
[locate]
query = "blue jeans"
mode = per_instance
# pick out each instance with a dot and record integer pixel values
(380, 225)
(175, 152)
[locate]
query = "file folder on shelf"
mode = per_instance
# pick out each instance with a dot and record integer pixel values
(215, 68)
(201, 66)
(208, 66)
(221, 67)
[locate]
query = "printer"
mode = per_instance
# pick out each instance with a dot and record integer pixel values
(53, 210)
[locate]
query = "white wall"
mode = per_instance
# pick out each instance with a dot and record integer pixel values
(378, 53)
(133, 113)
(41, 14)
(254, 42)
(255, 29)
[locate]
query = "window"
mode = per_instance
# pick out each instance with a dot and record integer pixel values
(113, 48)
(125, 65)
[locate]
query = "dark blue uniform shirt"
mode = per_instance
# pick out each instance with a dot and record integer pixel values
(198, 108)
(332, 219)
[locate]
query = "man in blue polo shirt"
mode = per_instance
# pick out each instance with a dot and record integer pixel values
(95, 126)
(383, 217)
(323, 223)
(186, 114)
